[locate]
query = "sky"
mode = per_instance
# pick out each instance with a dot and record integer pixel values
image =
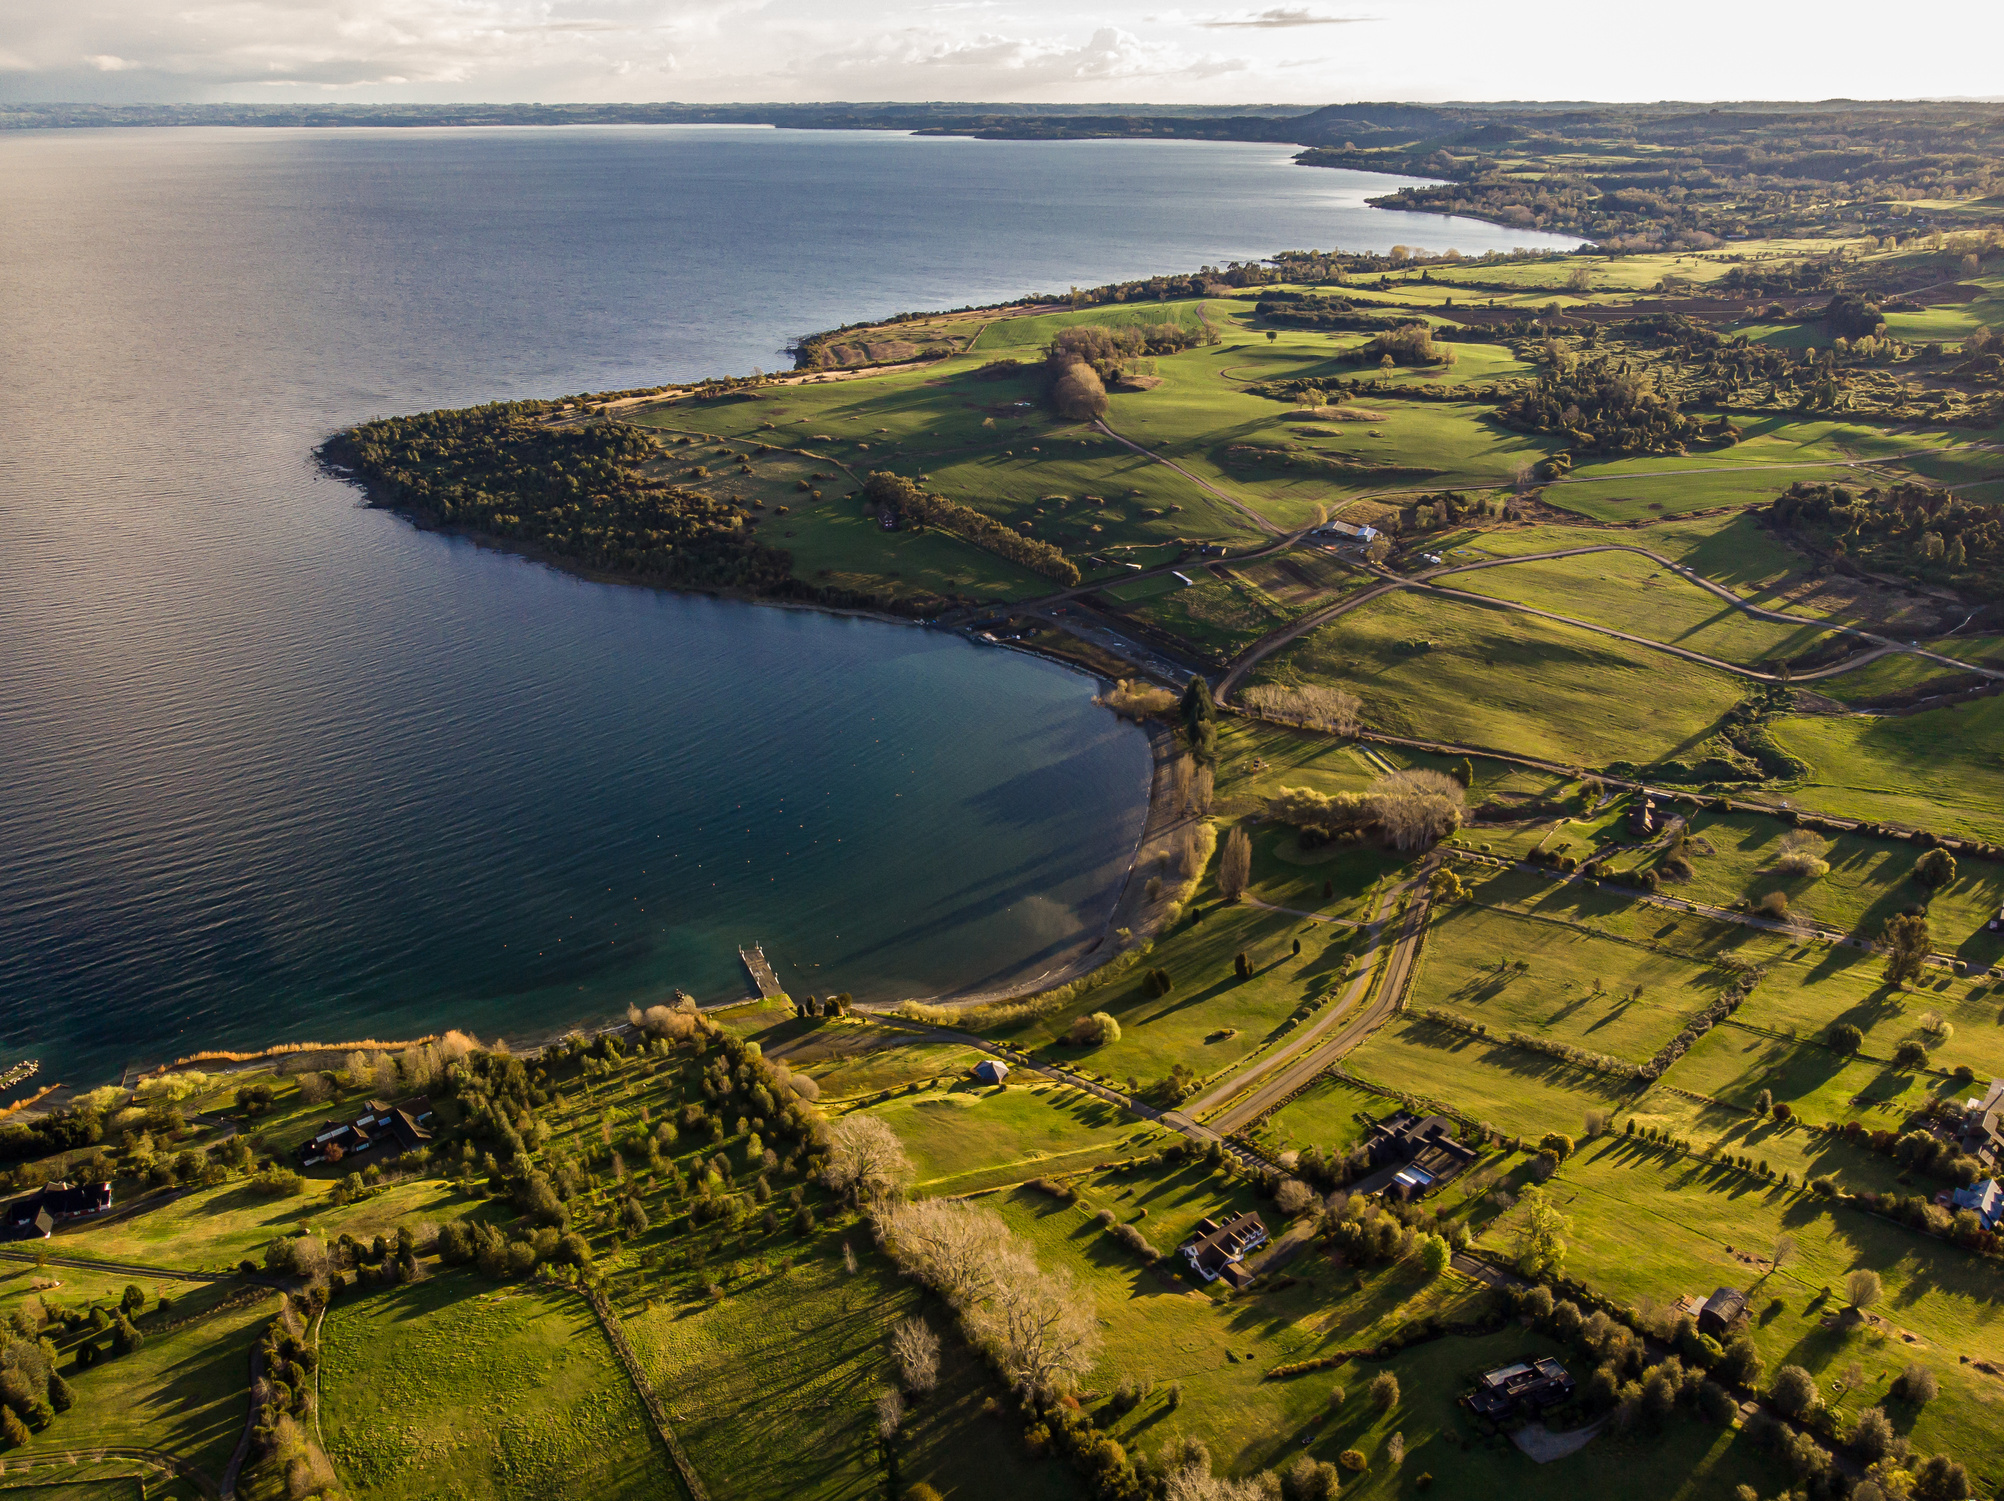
(1118, 51)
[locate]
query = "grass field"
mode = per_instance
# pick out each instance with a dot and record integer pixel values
(1578, 988)
(1649, 1225)
(185, 1391)
(1323, 1115)
(456, 1387)
(1940, 769)
(1627, 592)
(963, 1138)
(771, 1390)
(1734, 857)
(1433, 668)
(1514, 1090)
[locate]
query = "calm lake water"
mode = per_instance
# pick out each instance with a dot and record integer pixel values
(274, 766)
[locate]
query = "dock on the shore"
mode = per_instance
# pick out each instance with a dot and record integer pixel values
(761, 972)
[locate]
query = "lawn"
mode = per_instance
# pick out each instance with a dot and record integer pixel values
(886, 1060)
(771, 1390)
(185, 1390)
(1736, 1061)
(1941, 769)
(1628, 592)
(1514, 973)
(970, 1135)
(457, 1387)
(1433, 668)
(1324, 1115)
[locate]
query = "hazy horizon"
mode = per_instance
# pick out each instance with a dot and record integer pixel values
(1121, 54)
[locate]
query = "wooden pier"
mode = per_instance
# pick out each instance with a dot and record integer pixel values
(761, 972)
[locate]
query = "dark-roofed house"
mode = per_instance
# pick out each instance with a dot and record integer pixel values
(1717, 1316)
(1986, 1199)
(399, 1127)
(1427, 1148)
(1215, 1247)
(991, 1070)
(38, 1213)
(1530, 1386)
(1983, 1126)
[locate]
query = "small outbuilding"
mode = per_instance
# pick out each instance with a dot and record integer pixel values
(1717, 1316)
(991, 1070)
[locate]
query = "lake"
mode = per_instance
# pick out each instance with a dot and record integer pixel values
(277, 766)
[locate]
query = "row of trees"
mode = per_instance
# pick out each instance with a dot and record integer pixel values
(906, 499)
(1410, 809)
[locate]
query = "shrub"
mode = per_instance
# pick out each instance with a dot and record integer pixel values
(1872, 1435)
(1336, 1397)
(1916, 1384)
(1911, 1054)
(1845, 1038)
(1094, 1030)
(1934, 870)
(1351, 1460)
(1861, 1287)
(277, 1182)
(1384, 1391)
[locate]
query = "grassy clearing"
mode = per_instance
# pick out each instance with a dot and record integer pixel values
(453, 1387)
(1324, 1115)
(966, 1136)
(186, 1390)
(1940, 769)
(1650, 1226)
(771, 1391)
(1907, 675)
(1434, 668)
(211, 1229)
(1735, 1063)
(1627, 592)
(1574, 987)
(893, 1062)
(1512, 1089)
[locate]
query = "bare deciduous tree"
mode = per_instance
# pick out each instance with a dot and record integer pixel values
(1043, 1326)
(1416, 807)
(916, 1349)
(890, 1412)
(1203, 786)
(1315, 705)
(866, 1160)
(948, 1244)
(1293, 1196)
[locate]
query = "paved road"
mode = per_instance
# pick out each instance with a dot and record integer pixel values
(1292, 1067)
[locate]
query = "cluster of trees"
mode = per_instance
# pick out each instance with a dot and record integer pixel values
(1906, 528)
(1407, 344)
(1604, 406)
(1409, 809)
(1317, 706)
(907, 500)
(1314, 310)
(32, 1391)
(498, 470)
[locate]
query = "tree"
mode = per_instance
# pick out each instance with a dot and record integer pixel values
(132, 1300)
(1541, 1233)
(1416, 807)
(1293, 1197)
(1907, 941)
(1783, 1253)
(1794, 1392)
(916, 1349)
(1558, 1144)
(634, 1215)
(1916, 1384)
(1200, 721)
(1939, 1478)
(1445, 885)
(1043, 1325)
(1873, 1435)
(124, 1337)
(1384, 1391)
(866, 1161)
(1763, 1103)
(1465, 772)
(1934, 870)
(1094, 1030)
(1434, 1255)
(1911, 1054)
(1235, 865)
(948, 1244)
(1742, 1365)
(1845, 1038)
(62, 1397)
(13, 1432)
(1861, 1288)
(890, 1412)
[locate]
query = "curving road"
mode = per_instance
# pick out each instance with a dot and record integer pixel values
(1877, 645)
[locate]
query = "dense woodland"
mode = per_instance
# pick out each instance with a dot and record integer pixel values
(1909, 529)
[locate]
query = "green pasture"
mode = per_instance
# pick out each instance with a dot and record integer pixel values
(1449, 670)
(1211, 1018)
(1627, 592)
(1735, 857)
(1941, 769)
(1219, 616)
(1647, 1224)
(896, 1063)
(1324, 1115)
(772, 1390)
(186, 1390)
(1905, 674)
(1514, 1090)
(1788, 1148)
(964, 1137)
(1583, 989)
(1734, 1062)
(1287, 875)
(456, 1386)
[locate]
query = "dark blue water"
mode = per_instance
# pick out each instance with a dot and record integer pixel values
(274, 766)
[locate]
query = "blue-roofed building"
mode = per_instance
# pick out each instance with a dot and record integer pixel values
(1986, 1198)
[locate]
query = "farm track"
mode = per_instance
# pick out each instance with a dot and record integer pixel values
(159, 1459)
(1877, 646)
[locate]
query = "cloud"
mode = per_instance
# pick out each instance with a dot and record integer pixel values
(1280, 16)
